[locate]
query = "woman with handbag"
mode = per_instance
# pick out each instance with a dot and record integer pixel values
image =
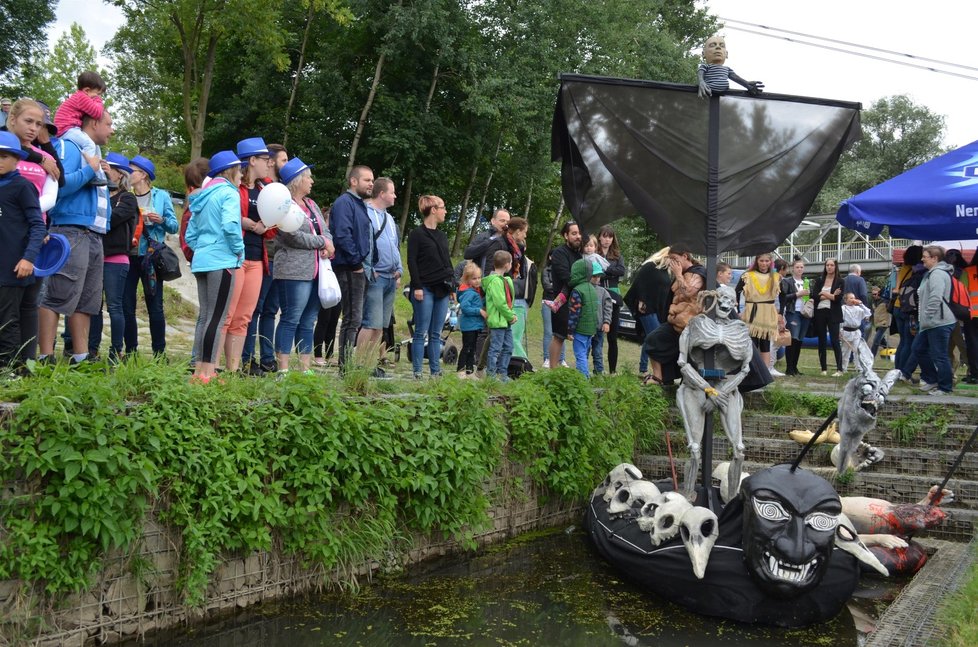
(296, 269)
(797, 312)
(159, 219)
(827, 291)
(432, 283)
(214, 233)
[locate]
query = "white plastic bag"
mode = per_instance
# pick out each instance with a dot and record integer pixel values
(329, 287)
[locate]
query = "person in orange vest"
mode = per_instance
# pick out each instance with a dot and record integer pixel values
(969, 276)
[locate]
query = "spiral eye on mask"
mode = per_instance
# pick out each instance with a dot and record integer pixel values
(770, 510)
(822, 522)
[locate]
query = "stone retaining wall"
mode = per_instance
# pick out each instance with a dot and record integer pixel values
(136, 593)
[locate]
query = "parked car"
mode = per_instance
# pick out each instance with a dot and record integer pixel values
(628, 327)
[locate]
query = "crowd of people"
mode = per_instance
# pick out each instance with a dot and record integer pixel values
(259, 306)
(930, 301)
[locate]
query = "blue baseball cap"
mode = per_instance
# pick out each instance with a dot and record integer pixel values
(10, 144)
(596, 269)
(251, 147)
(119, 161)
(144, 165)
(222, 161)
(52, 129)
(292, 169)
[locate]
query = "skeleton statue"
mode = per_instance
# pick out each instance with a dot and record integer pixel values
(620, 475)
(660, 517)
(697, 397)
(865, 453)
(722, 473)
(860, 402)
(699, 529)
(634, 495)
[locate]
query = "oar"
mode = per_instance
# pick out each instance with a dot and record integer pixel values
(957, 463)
(811, 441)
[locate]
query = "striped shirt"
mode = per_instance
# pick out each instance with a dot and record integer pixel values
(716, 76)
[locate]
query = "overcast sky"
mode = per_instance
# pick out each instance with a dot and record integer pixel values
(937, 29)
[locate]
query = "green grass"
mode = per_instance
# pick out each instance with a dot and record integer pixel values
(960, 613)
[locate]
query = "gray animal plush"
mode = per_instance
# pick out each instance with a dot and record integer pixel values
(860, 403)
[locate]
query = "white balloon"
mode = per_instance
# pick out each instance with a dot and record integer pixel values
(292, 221)
(274, 202)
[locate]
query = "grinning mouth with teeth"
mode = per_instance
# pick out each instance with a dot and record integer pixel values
(870, 406)
(790, 572)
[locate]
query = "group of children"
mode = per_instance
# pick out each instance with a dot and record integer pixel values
(488, 303)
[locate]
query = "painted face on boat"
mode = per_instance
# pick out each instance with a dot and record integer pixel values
(790, 519)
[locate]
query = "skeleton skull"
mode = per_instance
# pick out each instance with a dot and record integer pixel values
(660, 516)
(633, 495)
(699, 529)
(848, 540)
(622, 474)
(722, 473)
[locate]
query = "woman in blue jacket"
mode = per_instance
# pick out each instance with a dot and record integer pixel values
(159, 219)
(214, 233)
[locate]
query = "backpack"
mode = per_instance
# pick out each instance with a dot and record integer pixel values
(908, 293)
(960, 303)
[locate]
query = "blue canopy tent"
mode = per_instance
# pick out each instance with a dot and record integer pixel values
(936, 200)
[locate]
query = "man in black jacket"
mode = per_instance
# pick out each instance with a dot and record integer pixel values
(561, 260)
(487, 243)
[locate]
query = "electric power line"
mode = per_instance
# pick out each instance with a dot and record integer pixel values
(854, 53)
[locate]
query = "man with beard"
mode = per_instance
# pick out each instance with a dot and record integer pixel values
(487, 243)
(349, 224)
(561, 260)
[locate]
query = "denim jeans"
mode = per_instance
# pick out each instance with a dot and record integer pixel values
(649, 323)
(352, 286)
(906, 339)
(263, 323)
(929, 351)
(582, 347)
(500, 351)
(548, 333)
(797, 325)
(114, 283)
(300, 305)
(429, 319)
(879, 338)
(154, 305)
(597, 350)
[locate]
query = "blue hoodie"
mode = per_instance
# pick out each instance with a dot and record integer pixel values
(470, 306)
(352, 233)
(77, 203)
(214, 232)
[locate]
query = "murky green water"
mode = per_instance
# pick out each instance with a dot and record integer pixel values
(553, 590)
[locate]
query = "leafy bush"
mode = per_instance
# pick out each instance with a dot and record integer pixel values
(332, 475)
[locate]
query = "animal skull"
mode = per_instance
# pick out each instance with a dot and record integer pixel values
(622, 474)
(848, 540)
(699, 528)
(633, 495)
(722, 473)
(660, 516)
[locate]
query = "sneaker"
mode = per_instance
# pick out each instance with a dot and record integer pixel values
(379, 373)
(924, 386)
(319, 361)
(255, 369)
(825, 372)
(903, 378)
(970, 379)
(776, 373)
(550, 304)
(838, 374)
(418, 376)
(546, 363)
(564, 364)
(936, 391)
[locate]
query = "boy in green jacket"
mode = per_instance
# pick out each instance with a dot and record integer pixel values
(583, 317)
(500, 317)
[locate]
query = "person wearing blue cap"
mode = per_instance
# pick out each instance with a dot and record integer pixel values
(159, 219)
(81, 215)
(257, 166)
(21, 237)
(214, 233)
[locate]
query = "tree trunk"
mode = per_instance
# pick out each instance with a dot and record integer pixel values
(298, 74)
(485, 190)
(553, 231)
(197, 139)
(465, 208)
(529, 200)
(407, 186)
(366, 110)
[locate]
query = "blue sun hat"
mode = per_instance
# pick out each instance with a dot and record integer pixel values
(10, 144)
(251, 147)
(596, 269)
(53, 255)
(119, 161)
(144, 165)
(292, 169)
(222, 161)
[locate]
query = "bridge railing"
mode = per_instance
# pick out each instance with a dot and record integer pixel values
(863, 252)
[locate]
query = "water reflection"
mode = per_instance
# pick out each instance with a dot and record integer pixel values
(552, 590)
